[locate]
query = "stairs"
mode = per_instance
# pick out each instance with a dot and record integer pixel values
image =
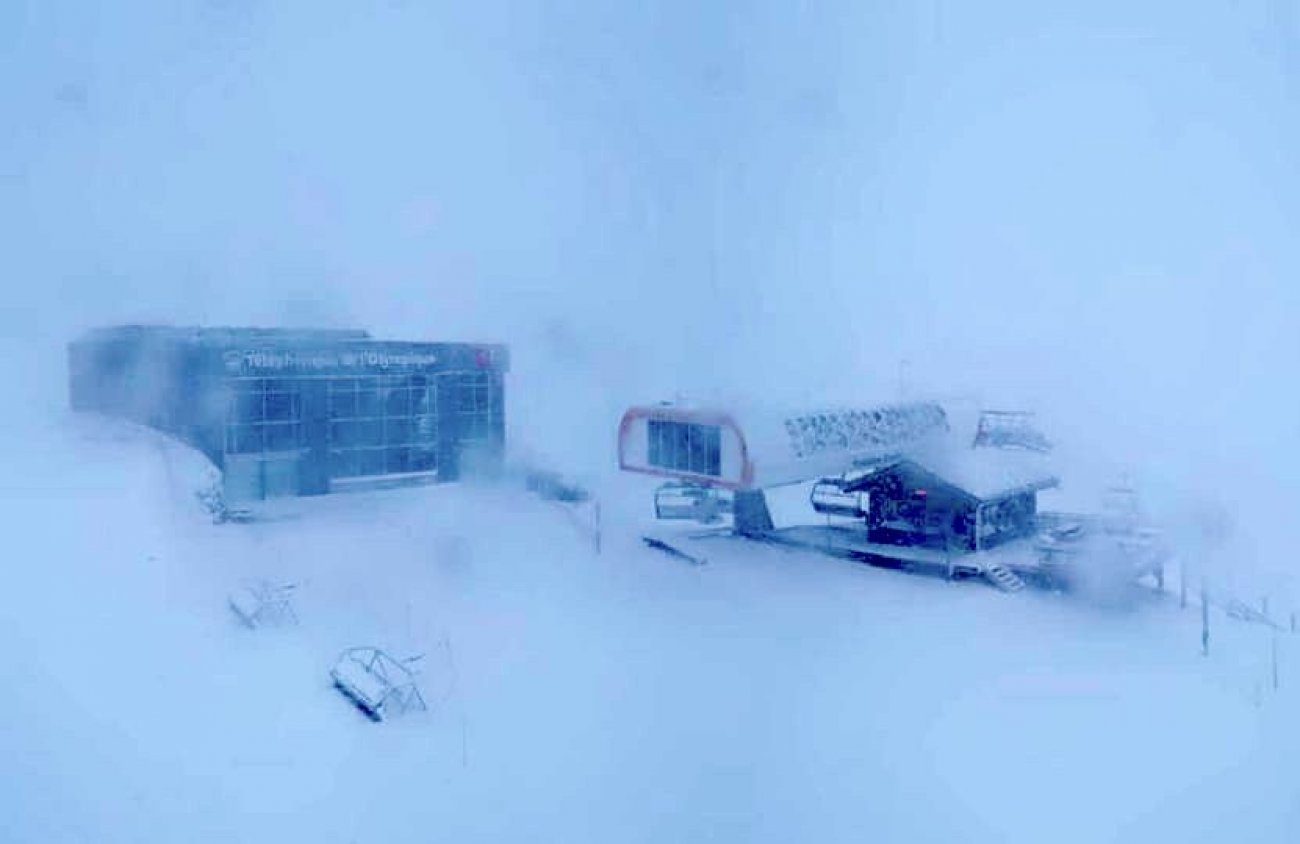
(1003, 578)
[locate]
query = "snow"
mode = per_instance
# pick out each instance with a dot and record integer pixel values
(987, 473)
(772, 695)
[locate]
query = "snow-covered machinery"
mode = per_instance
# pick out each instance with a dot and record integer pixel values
(379, 685)
(264, 604)
(691, 502)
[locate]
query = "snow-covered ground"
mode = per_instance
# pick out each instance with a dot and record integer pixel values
(769, 695)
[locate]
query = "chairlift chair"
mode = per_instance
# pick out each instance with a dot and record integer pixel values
(378, 684)
(690, 502)
(264, 604)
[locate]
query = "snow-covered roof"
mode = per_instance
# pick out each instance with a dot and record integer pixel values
(987, 473)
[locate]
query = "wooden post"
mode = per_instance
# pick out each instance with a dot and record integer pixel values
(1273, 655)
(1205, 620)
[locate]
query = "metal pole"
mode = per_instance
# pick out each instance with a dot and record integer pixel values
(1182, 585)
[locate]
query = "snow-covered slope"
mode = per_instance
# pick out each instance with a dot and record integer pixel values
(767, 696)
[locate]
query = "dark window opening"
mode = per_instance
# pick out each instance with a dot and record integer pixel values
(685, 447)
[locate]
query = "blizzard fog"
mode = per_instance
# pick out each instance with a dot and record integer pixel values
(1087, 210)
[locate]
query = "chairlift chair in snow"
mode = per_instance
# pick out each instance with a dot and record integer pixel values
(690, 502)
(378, 684)
(264, 604)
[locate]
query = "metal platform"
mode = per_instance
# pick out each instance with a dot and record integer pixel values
(1018, 556)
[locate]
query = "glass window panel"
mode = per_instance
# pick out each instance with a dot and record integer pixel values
(398, 460)
(714, 438)
(698, 459)
(344, 433)
(426, 429)
(245, 438)
(371, 461)
(398, 431)
(681, 446)
(397, 402)
(652, 441)
(370, 432)
(248, 406)
(281, 436)
(423, 459)
(343, 405)
(368, 402)
(281, 406)
(343, 464)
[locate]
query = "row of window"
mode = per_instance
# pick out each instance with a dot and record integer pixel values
(409, 430)
(263, 436)
(258, 405)
(362, 398)
(360, 462)
(684, 447)
(396, 413)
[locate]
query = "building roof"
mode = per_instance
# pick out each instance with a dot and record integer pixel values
(226, 335)
(987, 474)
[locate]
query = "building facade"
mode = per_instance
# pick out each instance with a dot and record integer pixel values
(289, 412)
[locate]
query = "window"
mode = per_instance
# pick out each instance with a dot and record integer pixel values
(382, 425)
(477, 399)
(684, 447)
(264, 415)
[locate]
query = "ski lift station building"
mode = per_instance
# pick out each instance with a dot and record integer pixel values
(752, 448)
(301, 412)
(901, 468)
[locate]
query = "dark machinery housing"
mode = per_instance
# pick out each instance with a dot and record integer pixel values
(905, 503)
(301, 412)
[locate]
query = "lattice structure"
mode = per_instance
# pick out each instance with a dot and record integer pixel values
(892, 426)
(1009, 429)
